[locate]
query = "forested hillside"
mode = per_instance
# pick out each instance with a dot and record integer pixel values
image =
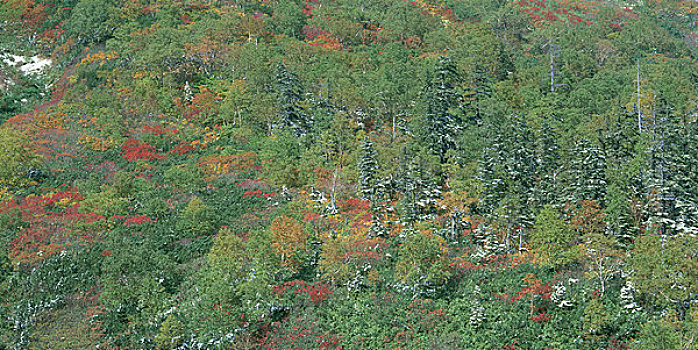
(354, 174)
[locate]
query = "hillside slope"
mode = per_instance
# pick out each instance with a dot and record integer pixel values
(354, 174)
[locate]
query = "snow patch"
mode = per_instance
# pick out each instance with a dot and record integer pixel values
(27, 65)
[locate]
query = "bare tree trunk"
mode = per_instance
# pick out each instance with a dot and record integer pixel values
(552, 70)
(639, 110)
(507, 238)
(333, 193)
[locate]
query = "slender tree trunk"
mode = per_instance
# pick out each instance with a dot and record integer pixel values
(507, 237)
(639, 112)
(552, 70)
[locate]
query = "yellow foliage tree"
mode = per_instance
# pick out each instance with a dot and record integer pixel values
(16, 154)
(290, 240)
(345, 257)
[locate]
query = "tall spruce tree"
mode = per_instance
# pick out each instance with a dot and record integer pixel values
(419, 192)
(372, 187)
(481, 82)
(672, 202)
(492, 175)
(521, 169)
(290, 95)
(521, 163)
(587, 174)
(368, 171)
(547, 165)
(441, 121)
(619, 142)
(507, 174)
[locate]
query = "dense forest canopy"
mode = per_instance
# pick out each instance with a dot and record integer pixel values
(356, 174)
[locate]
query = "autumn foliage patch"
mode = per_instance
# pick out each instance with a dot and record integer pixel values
(134, 150)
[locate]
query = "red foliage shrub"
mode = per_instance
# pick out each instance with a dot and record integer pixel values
(540, 318)
(317, 291)
(258, 194)
(543, 12)
(135, 149)
(181, 149)
(137, 220)
(158, 130)
(512, 346)
(48, 221)
(297, 333)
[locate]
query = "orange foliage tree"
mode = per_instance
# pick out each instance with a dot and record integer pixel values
(290, 240)
(217, 164)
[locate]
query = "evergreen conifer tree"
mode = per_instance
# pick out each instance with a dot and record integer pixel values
(290, 94)
(488, 241)
(441, 122)
(521, 166)
(507, 174)
(619, 143)
(587, 176)
(547, 168)
(521, 170)
(481, 89)
(492, 175)
(418, 189)
(672, 203)
(368, 169)
(372, 188)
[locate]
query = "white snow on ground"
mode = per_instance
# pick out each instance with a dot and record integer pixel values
(5, 83)
(34, 65)
(12, 60)
(27, 65)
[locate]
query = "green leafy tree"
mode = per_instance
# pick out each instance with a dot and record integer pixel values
(283, 154)
(596, 317)
(603, 261)
(171, 333)
(393, 90)
(137, 282)
(197, 219)
(17, 155)
(106, 202)
(422, 261)
(188, 176)
(288, 18)
(665, 267)
(656, 335)
(161, 52)
(93, 21)
(229, 288)
(551, 237)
